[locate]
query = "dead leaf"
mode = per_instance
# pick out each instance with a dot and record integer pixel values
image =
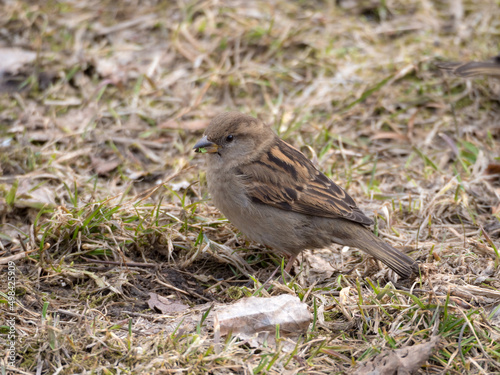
(318, 264)
(402, 361)
(31, 195)
(223, 254)
(102, 167)
(13, 59)
(164, 305)
(493, 169)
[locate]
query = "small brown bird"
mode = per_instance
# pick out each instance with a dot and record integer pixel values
(474, 68)
(273, 194)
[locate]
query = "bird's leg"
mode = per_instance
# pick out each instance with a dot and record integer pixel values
(288, 268)
(289, 265)
(271, 277)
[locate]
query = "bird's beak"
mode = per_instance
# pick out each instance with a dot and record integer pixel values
(204, 145)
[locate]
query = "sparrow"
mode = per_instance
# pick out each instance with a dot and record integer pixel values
(276, 196)
(474, 68)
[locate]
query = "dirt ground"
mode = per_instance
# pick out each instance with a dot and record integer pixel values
(113, 260)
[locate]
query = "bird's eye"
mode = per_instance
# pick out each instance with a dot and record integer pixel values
(229, 138)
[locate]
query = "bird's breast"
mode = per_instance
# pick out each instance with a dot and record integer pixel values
(228, 193)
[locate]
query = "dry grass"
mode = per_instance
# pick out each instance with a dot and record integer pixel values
(114, 101)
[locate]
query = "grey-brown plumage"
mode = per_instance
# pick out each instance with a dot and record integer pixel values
(273, 194)
(474, 68)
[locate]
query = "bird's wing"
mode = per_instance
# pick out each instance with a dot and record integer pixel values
(284, 178)
(474, 68)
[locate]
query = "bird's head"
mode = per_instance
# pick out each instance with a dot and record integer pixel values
(234, 137)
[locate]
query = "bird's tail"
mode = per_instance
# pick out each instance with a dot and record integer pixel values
(363, 239)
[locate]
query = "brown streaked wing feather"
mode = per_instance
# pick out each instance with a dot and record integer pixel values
(474, 68)
(284, 178)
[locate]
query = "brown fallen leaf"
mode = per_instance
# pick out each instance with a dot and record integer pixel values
(460, 302)
(493, 169)
(402, 361)
(102, 166)
(165, 305)
(319, 265)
